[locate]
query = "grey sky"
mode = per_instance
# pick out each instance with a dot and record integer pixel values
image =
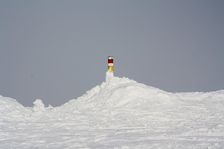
(57, 50)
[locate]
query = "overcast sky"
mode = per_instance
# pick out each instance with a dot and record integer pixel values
(57, 50)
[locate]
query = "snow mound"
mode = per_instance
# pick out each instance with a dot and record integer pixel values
(10, 108)
(124, 94)
(38, 106)
(121, 93)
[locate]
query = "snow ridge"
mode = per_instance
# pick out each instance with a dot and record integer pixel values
(115, 93)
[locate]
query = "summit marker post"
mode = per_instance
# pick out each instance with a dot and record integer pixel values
(110, 67)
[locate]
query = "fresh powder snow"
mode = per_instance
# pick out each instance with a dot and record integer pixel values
(120, 114)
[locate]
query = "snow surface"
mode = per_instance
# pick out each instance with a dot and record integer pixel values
(121, 114)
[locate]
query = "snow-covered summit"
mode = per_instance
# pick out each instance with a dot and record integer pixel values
(120, 93)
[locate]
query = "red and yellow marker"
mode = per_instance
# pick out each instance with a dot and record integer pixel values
(110, 67)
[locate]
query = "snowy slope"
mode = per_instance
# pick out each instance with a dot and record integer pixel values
(119, 113)
(11, 109)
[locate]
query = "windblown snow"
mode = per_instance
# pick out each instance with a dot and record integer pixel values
(120, 113)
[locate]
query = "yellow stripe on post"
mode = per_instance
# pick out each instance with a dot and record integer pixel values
(110, 69)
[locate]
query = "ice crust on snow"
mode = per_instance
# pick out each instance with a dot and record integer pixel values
(119, 113)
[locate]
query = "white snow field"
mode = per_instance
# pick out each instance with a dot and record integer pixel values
(120, 114)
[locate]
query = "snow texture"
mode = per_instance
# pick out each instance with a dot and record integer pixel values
(120, 114)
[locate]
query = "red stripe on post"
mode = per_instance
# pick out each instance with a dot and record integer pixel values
(110, 61)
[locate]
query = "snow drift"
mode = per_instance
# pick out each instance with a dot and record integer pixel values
(119, 113)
